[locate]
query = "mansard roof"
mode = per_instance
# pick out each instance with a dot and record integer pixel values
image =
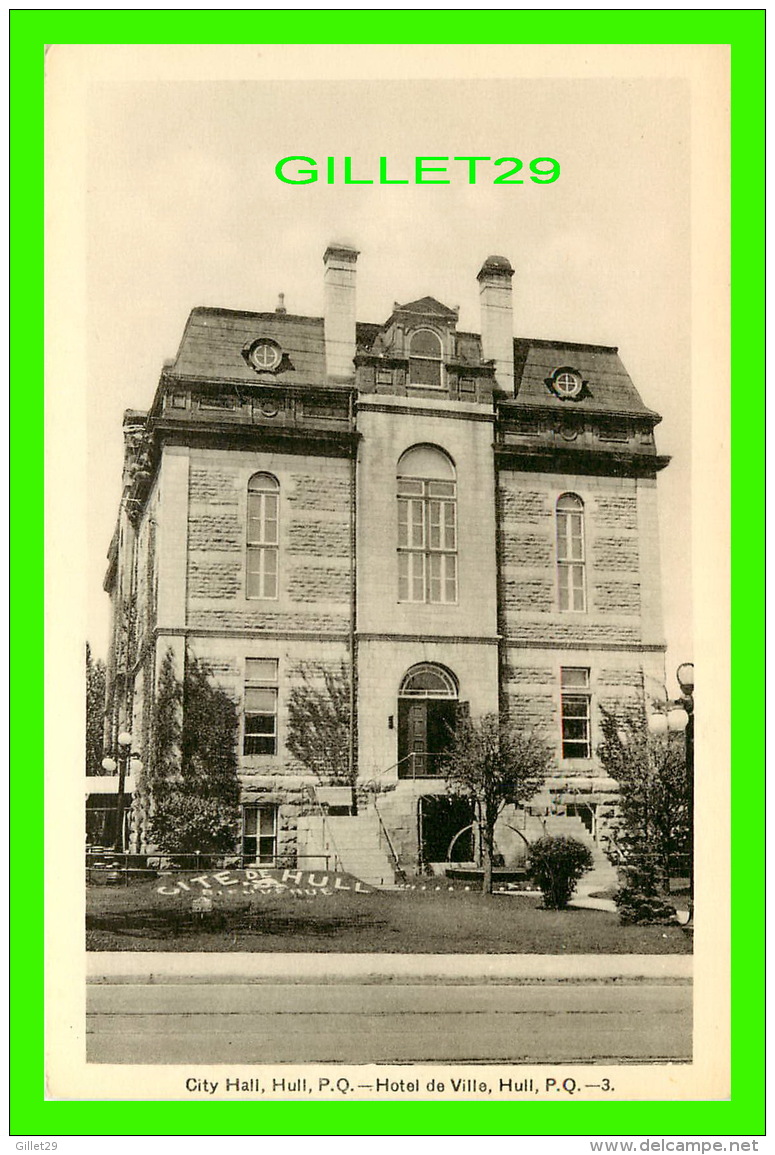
(214, 340)
(608, 387)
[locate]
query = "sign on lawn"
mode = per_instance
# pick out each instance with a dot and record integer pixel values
(263, 880)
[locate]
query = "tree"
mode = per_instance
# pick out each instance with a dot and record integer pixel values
(556, 864)
(654, 828)
(319, 725)
(494, 762)
(193, 778)
(95, 713)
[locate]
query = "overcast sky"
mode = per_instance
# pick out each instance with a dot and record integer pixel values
(183, 209)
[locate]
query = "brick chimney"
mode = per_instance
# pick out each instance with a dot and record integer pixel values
(494, 279)
(339, 310)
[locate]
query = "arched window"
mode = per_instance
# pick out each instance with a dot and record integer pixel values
(570, 553)
(425, 352)
(262, 536)
(428, 681)
(427, 526)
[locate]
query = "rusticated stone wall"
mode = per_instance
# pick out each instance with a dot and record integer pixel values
(614, 570)
(315, 580)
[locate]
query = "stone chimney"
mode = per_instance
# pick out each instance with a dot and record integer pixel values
(339, 310)
(497, 319)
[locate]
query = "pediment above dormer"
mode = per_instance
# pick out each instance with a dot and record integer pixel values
(427, 307)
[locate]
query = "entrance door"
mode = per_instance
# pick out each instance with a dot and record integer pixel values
(427, 714)
(426, 729)
(417, 735)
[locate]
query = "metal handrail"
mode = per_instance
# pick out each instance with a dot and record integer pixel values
(398, 869)
(426, 756)
(322, 815)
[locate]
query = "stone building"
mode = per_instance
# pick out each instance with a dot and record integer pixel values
(460, 518)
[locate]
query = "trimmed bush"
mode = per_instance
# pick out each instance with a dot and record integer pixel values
(556, 865)
(636, 908)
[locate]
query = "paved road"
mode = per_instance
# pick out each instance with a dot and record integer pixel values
(353, 1022)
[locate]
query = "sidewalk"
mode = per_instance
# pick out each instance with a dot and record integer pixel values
(146, 966)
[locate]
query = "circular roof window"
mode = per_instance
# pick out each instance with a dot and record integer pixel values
(567, 383)
(264, 355)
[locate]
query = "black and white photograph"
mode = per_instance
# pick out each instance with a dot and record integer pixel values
(383, 565)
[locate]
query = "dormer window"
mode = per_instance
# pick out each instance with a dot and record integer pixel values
(425, 356)
(264, 355)
(567, 383)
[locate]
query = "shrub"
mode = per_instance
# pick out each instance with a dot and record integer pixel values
(556, 865)
(186, 823)
(636, 908)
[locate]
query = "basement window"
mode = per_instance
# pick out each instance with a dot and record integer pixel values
(259, 834)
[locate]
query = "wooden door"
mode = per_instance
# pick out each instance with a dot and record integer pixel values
(412, 737)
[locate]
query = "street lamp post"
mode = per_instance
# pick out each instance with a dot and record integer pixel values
(124, 751)
(679, 716)
(685, 677)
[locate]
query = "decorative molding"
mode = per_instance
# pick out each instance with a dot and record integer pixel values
(631, 647)
(442, 639)
(407, 411)
(251, 635)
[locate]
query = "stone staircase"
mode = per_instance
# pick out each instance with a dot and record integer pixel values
(352, 843)
(603, 875)
(360, 850)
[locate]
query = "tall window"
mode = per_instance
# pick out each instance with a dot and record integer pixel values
(263, 536)
(427, 527)
(425, 360)
(260, 709)
(575, 700)
(259, 834)
(570, 552)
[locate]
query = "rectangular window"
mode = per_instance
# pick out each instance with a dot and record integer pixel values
(575, 701)
(570, 560)
(427, 541)
(260, 706)
(262, 544)
(425, 374)
(259, 834)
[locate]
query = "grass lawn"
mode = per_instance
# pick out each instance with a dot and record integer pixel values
(431, 921)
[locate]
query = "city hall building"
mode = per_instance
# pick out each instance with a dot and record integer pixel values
(467, 521)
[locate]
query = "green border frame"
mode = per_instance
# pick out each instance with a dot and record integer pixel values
(743, 1114)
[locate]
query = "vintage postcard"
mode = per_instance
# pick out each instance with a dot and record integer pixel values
(391, 391)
